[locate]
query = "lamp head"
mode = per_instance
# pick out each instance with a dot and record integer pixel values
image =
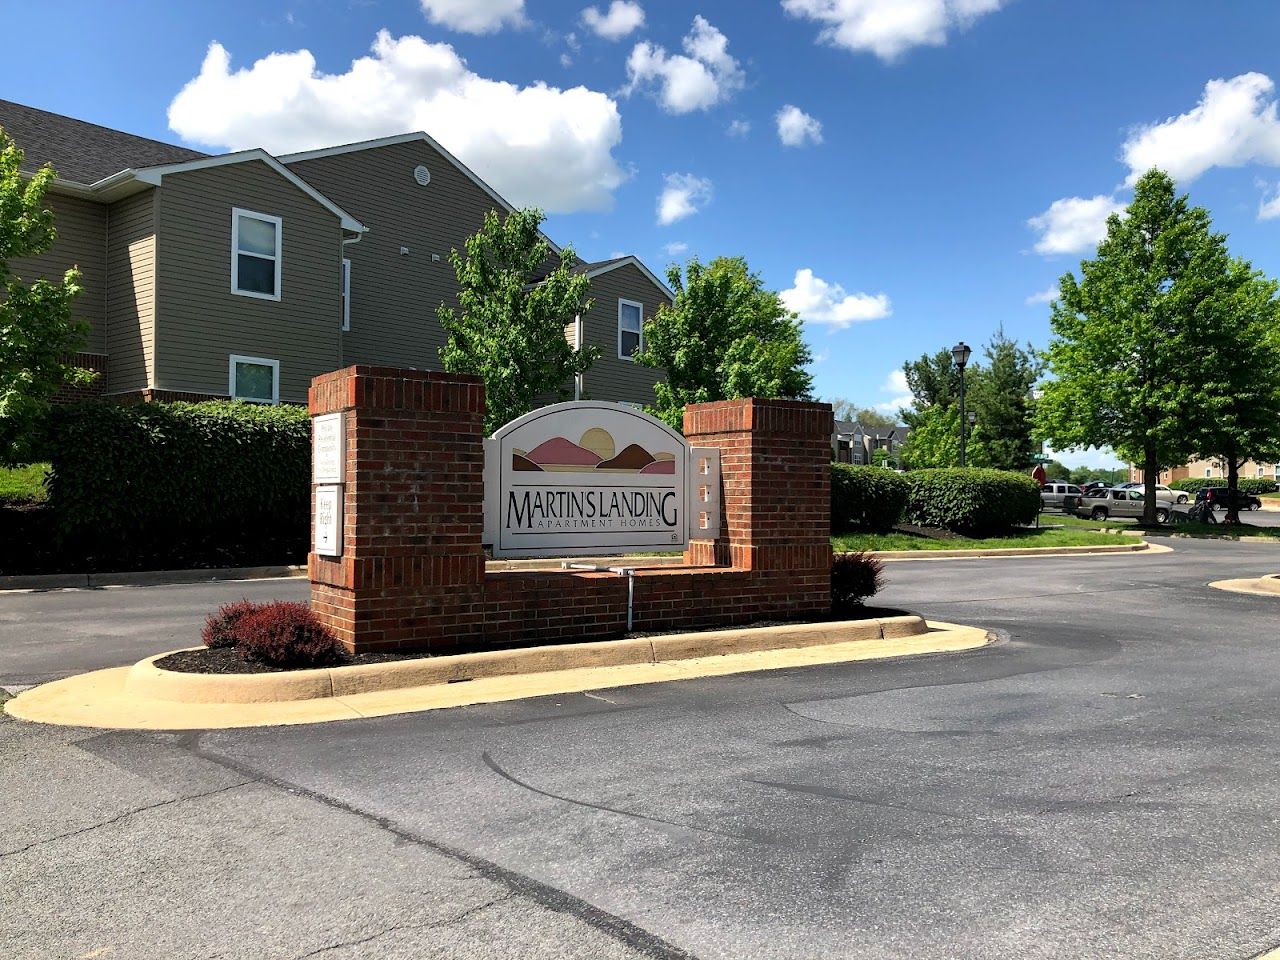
(960, 354)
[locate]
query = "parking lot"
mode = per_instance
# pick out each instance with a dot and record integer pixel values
(1099, 783)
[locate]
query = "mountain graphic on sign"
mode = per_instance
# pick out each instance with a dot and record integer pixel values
(594, 451)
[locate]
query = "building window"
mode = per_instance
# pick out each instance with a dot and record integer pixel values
(630, 328)
(1259, 470)
(1208, 472)
(254, 379)
(255, 254)
(346, 294)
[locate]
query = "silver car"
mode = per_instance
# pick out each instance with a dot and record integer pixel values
(1059, 495)
(1124, 503)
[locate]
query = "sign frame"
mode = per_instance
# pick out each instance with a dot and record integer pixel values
(595, 483)
(328, 520)
(328, 448)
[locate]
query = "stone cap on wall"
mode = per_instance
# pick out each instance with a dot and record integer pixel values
(786, 417)
(394, 388)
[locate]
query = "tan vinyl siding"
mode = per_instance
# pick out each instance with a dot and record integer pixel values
(611, 378)
(131, 288)
(201, 323)
(82, 241)
(394, 295)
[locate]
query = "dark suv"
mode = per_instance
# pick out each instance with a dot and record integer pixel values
(1217, 497)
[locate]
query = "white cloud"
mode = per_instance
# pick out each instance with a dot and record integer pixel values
(1269, 207)
(796, 128)
(1048, 295)
(474, 16)
(896, 383)
(682, 196)
(698, 81)
(822, 356)
(622, 17)
(1234, 124)
(888, 28)
(537, 145)
(739, 128)
(566, 61)
(817, 301)
(675, 248)
(1073, 224)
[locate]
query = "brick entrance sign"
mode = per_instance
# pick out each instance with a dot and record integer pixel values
(409, 571)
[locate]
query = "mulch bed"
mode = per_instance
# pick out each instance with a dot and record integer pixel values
(225, 660)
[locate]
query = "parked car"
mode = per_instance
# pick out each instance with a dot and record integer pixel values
(1164, 493)
(1093, 486)
(1059, 495)
(1123, 502)
(1218, 497)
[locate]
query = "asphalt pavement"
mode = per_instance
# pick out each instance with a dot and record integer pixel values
(1101, 782)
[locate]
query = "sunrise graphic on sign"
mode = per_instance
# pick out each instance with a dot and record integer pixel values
(595, 451)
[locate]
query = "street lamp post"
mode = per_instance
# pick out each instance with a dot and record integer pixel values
(960, 354)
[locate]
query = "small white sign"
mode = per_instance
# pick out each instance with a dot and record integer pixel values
(328, 532)
(328, 448)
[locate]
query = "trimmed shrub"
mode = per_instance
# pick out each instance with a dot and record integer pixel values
(286, 635)
(222, 629)
(971, 501)
(854, 578)
(1256, 486)
(866, 498)
(196, 484)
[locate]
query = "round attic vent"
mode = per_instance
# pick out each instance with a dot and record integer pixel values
(422, 175)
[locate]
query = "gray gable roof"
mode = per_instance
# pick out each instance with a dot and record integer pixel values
(82, 152)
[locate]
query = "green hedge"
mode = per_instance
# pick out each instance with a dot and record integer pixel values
(1251, 485)
(866, 498)
(974, 502)
(195, 483)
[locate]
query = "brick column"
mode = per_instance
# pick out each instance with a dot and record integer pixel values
(411, 573)
(775, 465)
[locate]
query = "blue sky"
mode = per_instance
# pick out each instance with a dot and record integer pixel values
(946, 160)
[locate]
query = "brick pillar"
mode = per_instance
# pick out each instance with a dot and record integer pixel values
(775, 465)
(411, 573)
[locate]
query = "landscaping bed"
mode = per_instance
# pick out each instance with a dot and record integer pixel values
(226, 660)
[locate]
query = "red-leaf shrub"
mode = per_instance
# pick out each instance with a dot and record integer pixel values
(287, 635)
(854, 577)
(222, 629)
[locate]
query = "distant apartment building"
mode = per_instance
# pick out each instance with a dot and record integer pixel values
(851, 442)
(1209, 470)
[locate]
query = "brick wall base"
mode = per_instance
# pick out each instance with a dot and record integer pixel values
(411, 576)
(97, 362)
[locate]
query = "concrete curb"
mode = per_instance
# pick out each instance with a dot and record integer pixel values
(99, 700)
(1268, 586)
(147, 681)
(899, 555)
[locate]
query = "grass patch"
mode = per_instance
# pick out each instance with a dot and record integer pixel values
(23, 484)
(898, 540)
(1233, 532)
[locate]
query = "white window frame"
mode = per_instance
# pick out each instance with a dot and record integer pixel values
(261, 361)
(236, 214)
(346, 294)
(639, 307)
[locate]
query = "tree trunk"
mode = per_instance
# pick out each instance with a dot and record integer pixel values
(1233, 480)
(1150, 477)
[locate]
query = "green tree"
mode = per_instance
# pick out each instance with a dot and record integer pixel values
(1124, 356)
(510, 329)
(1238, 415)
(724, 337)
(847, 410)
(37, 331)
(934, 380)
(934, 441)
(1001, 397)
